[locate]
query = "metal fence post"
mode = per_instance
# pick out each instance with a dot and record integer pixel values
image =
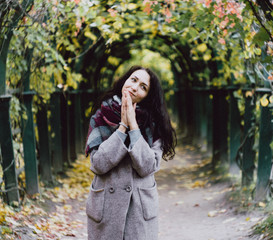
(56, 135)
(87, 98)
(265, 152)
(10, 178)
(249, 136)
(180, 102)
(64, 129)
(78, 123)
(220, 126)
(234, 133)
(204, 120)
(71, 126)
(189, 113)
(196, 116)
(209, 111)
(44, 151)
(28, 135)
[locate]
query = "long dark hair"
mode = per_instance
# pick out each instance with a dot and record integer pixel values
(154, 106)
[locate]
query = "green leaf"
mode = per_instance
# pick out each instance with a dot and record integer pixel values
(193, 32)
(261, 37)
(156, 8)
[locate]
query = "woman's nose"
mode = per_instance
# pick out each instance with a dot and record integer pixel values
(134, 87)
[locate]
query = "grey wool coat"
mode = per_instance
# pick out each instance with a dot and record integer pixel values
(123, 200)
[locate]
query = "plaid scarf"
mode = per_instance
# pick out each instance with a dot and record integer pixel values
(106, 120)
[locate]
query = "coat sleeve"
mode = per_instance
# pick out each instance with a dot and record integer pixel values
(145, 159)
(108, 155)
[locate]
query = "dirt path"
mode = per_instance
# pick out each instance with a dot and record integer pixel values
(191, 208)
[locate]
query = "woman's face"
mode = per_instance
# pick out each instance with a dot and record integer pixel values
(138, 85)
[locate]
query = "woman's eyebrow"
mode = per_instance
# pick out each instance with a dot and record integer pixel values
(141, 82)
(145, 84)
(135, 77)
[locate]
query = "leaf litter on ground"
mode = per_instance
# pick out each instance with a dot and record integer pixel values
(48, 215)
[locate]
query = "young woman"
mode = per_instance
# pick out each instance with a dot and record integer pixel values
(129, 133)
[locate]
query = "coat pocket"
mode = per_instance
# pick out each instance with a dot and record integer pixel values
(95, 203)
(149, 202)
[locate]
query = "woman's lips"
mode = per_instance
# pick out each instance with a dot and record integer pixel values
(131, 94)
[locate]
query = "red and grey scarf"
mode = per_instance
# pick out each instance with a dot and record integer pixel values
(106, 120)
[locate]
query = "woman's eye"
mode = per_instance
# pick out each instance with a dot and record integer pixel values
(144, 88)
(133, 79)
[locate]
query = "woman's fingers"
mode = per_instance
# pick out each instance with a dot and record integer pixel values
(129, 99)
(128, 114)
(124, 108)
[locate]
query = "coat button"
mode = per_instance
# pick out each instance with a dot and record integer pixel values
(111, 190)
(128, 188)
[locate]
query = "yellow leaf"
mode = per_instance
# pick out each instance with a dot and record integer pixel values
(90, 35)
(171, 92)
(202, 47)
(2, 217)
(68, 208)
(247, 219)
(66, 68)
(271, 99)
(58, 77)
(198, 184)
(249, 94)
(117, 25)
(171, 82)
(262, 204)
(264, 101)
(257, 51)
(212, 213)
(195, 58)
(207, 57)
(146, 26)
(132, 6)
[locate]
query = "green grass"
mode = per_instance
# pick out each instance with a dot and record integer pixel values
(265, 228)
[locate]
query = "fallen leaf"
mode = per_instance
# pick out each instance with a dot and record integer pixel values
(222, 211)
(179, 202)
(229, 220)
(197, 184)
(6, 230)
(212, 213)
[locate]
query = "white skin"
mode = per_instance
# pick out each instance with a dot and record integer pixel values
(134, 90)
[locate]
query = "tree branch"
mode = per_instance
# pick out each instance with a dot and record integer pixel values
(259, 19)
(266, 7)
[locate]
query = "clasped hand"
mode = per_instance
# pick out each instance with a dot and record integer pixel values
(128, 113)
